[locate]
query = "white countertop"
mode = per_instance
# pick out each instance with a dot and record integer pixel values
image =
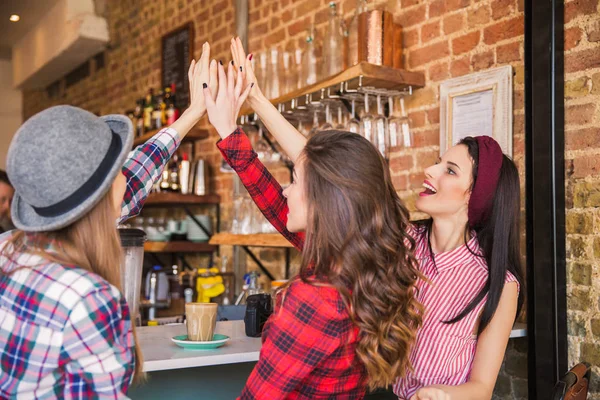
(160, 353)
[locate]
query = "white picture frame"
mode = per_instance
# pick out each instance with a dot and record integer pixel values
(478, 104)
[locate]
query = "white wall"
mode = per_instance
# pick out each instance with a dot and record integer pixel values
(11, 112)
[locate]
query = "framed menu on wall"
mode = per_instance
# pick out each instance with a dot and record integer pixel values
(177, 50)
(477, 104)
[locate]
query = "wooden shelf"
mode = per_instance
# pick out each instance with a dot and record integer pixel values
(195, 134)
(375, 76)
(177, 199)
(178, 247)
(257, 240)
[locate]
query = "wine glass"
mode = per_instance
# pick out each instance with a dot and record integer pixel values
(405, 123)
(327, 125)
(367, 128)
(315, 127)
(381, 130)
(353, 124)
(340, 119)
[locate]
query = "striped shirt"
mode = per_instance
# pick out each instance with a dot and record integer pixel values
(443, 354)
(65, 332)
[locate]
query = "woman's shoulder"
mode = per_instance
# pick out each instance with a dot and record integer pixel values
(321, 296)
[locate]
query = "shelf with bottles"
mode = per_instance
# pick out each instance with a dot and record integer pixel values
(195, 134)
(253, 240)
(178, 247)
(163, 199)
(350, 83)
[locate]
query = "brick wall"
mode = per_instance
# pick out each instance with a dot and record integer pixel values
(582, 149)
(442, 38)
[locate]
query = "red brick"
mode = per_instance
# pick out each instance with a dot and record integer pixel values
(577, 8)
(518, 125)
(502, 8)
(427, 138)
(460, 67)
(582, 139)
(402, 163)
(298, 27)
(478, 16)
(438, 72)
(304, 8)
(521, 4)
(429, 53)
(482, 61)
(580, 114)
(582, 60)
(417, 119)
(508, 52)
(275, 21)
(518, 99)
(504, 30)
(433, 116)
(452, 5)
(258, 29)
(427, 159)
(400, 182)
(413, 16)
(584, 166)
(411, 37)
(275, 37)
(572, 37)
(409, 3)
(465, 43)
(437, 8)
(321, 16)
(430, 31)
(454, 23)
(416, 180)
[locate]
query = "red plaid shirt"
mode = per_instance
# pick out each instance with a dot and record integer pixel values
(309, 344)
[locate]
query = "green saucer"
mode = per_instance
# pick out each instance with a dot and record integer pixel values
(218, 341)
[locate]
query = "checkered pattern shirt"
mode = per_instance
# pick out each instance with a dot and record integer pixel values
(309, 343)
(65, 333)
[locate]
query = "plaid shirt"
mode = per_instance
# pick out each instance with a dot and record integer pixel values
(65, 332)
(309, 343)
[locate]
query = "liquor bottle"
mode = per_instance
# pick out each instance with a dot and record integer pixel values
(174, 174)
(333, 53)
(310, 59)
(157, 114)
(139, 117)
(148, 109)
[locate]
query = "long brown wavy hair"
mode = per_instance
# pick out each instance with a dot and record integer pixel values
(357, 240)
(91, 243)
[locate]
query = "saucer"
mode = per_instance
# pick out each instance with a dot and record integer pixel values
(218, 341)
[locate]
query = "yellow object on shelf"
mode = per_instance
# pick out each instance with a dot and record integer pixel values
(152, 323)
(209, 284)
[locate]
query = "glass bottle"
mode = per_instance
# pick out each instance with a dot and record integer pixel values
(310, 59)
(361, 6)
(273, 75)
(299, 75)
(366, 123)
(381, 129)
(333, 53)
(353, 124)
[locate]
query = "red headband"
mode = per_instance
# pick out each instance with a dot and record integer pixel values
(488, 173)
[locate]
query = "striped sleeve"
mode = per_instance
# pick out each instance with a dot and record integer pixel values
(143, 167)
(98, 350)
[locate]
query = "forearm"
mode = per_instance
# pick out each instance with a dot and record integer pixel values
(289, 138)
(468, 391)
(187, 121)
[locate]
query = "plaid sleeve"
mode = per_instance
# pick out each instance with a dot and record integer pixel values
(98, 348)
(143, 167)
(262, 187)
(305, 331)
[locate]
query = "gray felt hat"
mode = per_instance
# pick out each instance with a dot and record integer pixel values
(61, 162)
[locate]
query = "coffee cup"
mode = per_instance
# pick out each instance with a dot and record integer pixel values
(201, 321)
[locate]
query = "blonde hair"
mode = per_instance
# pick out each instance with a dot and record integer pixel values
(92, 243)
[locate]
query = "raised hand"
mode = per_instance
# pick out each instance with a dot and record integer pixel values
(241, 60)
(223, 109)
(197, 74)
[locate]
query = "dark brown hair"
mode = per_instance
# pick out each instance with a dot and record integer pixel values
(357, 241)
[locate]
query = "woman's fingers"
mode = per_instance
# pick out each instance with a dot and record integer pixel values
(222, 81)
(191, 71)
(213, 78)
(208, 98)
(241, 53)
(230, 81)
(238, 83)
(242, 98)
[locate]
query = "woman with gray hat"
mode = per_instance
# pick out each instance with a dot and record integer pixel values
(65, 329)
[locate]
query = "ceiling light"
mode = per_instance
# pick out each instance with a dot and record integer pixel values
(15, 18)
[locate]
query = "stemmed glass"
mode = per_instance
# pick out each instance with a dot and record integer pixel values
(405, 123)
(315, 127)
(367, 128)
(340, 119)
(327, 125)
(381, 129)
(353, 124)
